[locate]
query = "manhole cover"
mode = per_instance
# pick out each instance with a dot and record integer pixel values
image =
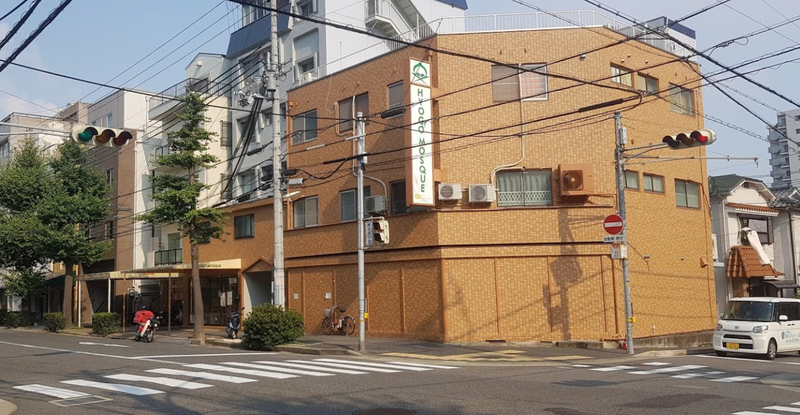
(384, 411)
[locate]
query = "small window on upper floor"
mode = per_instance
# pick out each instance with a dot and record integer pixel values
(347, 204)
(304, 127)
(524, 188)
(526, 82)
(647, 84)
(306, 7)
(226, 134)
(687, 194)
(396, 95)
(349, 108)
(306, 212)
(632, 180)
(110, 176)
(307, 64)
(653, 183)
(762, 225)
(681, 100)
(244, 226)
(621, 75)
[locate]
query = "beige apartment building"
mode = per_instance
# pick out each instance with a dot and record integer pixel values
(495, 191)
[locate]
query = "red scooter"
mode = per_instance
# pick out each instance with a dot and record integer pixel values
(146, 330)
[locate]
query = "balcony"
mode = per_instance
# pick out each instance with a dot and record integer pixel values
(163, 105)
(383, 15)
(168, 257)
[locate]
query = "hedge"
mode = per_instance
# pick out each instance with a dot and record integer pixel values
(55, 321)
(268, 325)
(104, 324)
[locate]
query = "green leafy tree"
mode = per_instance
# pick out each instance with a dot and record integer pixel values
(178, 195)
(79, 199)
(25, 183)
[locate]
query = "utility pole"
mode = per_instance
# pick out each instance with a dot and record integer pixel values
(277, 191)
(362, 163)
(621, 140)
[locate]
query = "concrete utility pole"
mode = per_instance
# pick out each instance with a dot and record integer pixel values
(621, 140)
(277, 191)
(362, 162)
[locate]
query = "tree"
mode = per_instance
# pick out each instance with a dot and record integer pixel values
(25, 183)
(178, 195)
(79, 199)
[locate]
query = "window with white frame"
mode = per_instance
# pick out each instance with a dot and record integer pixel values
(526, 82)
(4, 150)
(681, 100)
(653, 183)
(306, 7)
(621, 76)
(226, 134)
(348, 207)
(632, 180)
(304, 127)
(307, 64)
(247, 182)
(306, 212)
(524, 188)
(104, 121)
(687, 194)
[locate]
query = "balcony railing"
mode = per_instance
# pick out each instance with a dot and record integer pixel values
(200, 86)
(168, 256)
(525, 198)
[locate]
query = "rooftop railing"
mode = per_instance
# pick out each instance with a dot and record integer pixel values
(200, 86)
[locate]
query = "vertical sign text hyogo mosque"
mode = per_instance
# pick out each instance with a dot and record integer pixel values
(420, 167)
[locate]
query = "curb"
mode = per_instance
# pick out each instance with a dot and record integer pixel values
(7, 408)
(680, 352)
(316, 351)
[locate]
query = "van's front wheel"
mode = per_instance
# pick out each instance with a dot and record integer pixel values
(772, 350)
(720, 353)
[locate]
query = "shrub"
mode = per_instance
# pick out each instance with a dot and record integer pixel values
(54, 322)
(268, 325)
(104, 324)
(13, 319)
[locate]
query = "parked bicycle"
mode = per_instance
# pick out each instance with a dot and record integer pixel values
(331, 322)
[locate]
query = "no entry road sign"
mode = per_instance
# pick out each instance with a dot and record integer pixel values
(613, 224)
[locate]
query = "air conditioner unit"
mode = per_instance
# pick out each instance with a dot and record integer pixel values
(481, 193)
(306, 77)
(576, 179)
(449, 191)
(375, 204)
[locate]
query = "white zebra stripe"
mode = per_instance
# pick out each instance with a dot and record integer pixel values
(201, 375)
(666, 370)
(277, 369)
(349, 366)
(51, 391)
(369, 364)
(175, 383)
(734, 379)
(250, 372)
(116, 387)
(612, 368)
(324, 369)
(424, 365)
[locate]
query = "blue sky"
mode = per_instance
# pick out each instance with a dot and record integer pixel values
(99, 39)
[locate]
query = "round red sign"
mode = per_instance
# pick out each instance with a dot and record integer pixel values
(613, 224)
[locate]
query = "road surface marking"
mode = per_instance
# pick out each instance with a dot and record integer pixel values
(507, 356)
(204, 355)
(133, 390)
(754, 413)
(655, 364)
(176, 383)
(50, 391)
(423, 365)
(201, 375)
(358, 365)
(666, 370)
(103, 344)
(612, 368)
(735, 379)
(348, 366)
(277, 369)
(260, 373)
(782, 408)
(324, 369)
(581, 366)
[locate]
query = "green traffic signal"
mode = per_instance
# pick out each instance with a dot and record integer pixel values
(109, 137)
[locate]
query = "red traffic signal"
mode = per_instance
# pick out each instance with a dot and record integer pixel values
(100, 136)
(691, 139)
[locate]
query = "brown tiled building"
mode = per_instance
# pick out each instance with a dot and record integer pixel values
(510, 246)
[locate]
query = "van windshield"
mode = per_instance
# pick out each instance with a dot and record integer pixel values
(748, 311)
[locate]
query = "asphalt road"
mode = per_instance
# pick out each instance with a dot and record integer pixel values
(57, 374)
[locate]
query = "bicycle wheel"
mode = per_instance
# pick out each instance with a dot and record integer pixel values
(348, 325)
(327, 326)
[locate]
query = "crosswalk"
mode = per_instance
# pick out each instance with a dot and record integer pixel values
(774, 410)
(677, 372)
(195, 376)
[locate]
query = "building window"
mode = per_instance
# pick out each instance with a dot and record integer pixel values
(396, 95)
(348, 207)
(242, 123)
(306, 8)
(104, 121)
(197, 85)
(632, 180)
(249, 68)
(653, 183)
(687, 194)
(109, 176)
(87, 231)
(306, 65)
(305, 127)
(110, 229)
(226, 134)
(348, 108)
(527, 82)
(524, 188)
(647, 84)
(4, 150)
(306, 212)
(681, 100)
(247, 182)
(621, 76)
(244, 226)
(399, 200)
(226, 191)
(252, 13)
(762, 226)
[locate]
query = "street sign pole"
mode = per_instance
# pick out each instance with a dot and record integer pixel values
(626, 278)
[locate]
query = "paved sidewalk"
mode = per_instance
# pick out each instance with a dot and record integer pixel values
(7, 408)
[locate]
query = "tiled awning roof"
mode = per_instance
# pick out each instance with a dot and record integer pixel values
(743, 263)
(764, 210)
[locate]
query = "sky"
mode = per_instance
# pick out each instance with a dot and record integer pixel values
(115, 42)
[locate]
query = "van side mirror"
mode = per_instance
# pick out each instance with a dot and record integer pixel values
(783, 317)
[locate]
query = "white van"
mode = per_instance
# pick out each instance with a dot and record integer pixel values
(759, 325)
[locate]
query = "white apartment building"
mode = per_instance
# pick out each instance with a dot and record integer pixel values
(784, 150)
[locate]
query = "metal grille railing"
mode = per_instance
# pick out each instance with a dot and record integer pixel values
(200, 86)
(527, 198)
(168, 256)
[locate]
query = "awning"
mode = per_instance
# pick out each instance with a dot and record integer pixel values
(207, 269)
(743, 262)
(781, 284)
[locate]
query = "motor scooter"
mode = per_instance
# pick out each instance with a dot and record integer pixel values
(234, 322)
(146, 331)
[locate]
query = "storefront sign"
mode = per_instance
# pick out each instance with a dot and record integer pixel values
(421, 137)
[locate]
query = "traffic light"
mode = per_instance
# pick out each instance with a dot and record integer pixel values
(690, 139)
(100, 136)
(380, 231)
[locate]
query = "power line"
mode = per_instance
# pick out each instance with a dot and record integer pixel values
(13, 10)
(19, 23)
(43, 25)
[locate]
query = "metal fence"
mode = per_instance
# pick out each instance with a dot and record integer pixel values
(168, 256)
(200, 86)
